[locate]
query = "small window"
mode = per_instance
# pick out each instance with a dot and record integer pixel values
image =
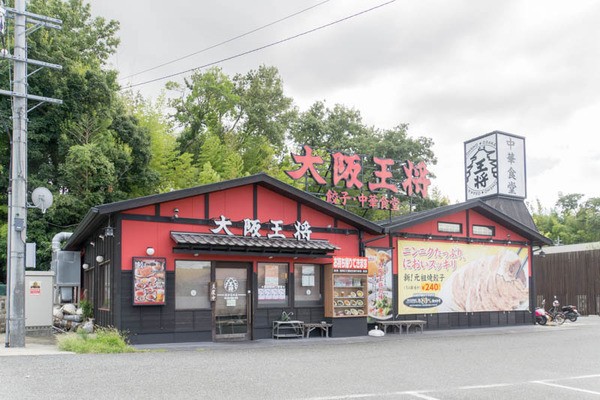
(105, 279)
(449, 227)
(192, 279)
(307, 284)
(483, 230)
(273, 289)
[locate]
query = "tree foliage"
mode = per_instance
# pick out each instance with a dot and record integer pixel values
(90, 150)
(571, 221)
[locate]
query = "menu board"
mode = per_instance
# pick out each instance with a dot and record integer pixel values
(149, 281)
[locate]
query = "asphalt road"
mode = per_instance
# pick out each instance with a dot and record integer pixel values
(524, 362)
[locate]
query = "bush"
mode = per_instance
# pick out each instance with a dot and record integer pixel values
(86, 309)
(105, 340)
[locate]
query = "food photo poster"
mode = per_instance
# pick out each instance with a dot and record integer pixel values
(149, 281)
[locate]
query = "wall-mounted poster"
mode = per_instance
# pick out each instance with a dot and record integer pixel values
(458, 277)
(149, 281)
(380, 283)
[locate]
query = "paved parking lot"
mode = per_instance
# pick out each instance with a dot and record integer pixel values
(531, 361)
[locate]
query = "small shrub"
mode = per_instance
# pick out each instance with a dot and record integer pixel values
(105, 340)
(86, 308)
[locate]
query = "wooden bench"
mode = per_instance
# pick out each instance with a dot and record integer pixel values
(323, 326)
(383, 325)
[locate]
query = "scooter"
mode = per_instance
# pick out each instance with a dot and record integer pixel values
(571, 313)
(540, 316)
(554, 314)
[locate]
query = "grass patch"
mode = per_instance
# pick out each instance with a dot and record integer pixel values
(105, 340)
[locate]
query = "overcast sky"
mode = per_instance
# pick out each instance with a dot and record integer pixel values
(452, 70)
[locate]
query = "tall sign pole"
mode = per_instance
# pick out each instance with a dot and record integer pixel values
(17, 207)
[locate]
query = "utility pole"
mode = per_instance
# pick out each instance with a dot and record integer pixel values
(17, 207)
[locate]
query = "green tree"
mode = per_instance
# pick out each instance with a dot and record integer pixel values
(91, 149)
(571, 221)
(218, 116)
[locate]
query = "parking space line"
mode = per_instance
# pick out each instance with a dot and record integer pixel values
(566, 387)
(420, 395)
(486, 386)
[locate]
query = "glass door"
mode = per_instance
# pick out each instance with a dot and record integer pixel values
(232, 305)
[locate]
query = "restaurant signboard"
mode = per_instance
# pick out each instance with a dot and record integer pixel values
(347, 172)
(459, 277)
(495, 165)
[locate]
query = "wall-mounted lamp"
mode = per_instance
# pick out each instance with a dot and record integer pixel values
(176, 213)
(450, 238)
(109, 231)
(92, 244)
(540, 252)
(429, 237)
(508, 238)
(270, 257)
(85, 266)
(101, 237)
(150, 251)
(99, 259)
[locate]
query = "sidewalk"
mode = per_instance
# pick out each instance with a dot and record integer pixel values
(34, 345)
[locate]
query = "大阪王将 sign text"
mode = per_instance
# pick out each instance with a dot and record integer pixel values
(348, 169)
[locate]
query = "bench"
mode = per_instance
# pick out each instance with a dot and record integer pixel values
(288, 329)
(311, 326)
(383, 325)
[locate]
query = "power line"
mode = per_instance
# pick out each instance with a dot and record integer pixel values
(226, 41)
(259, 48)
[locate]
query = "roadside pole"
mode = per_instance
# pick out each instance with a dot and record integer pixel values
(17, 207)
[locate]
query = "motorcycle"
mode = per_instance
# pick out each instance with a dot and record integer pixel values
(554, 314)
(570, 312)
(540, 316)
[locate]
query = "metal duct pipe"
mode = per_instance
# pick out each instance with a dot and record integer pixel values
(59, 237)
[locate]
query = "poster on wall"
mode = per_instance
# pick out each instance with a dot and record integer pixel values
(149, 281)
(459, 277)
(380, 283)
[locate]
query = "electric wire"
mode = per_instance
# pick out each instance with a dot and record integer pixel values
(225, 41)
(257, 48)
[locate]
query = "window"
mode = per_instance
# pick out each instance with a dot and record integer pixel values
(105, 279)
(307, 284)
(273, 287)
(449, 227)
(191, 285)
(483, 230)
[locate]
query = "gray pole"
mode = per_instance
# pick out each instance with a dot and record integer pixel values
(18, 198)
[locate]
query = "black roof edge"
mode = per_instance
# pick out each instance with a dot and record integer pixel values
(88, 225)
(413, 219)
(96, 215)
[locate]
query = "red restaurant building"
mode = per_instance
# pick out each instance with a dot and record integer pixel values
(223, 262)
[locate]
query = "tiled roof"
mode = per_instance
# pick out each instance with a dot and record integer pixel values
(192, 241)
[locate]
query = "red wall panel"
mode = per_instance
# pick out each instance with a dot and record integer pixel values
(191, 207)
(276, 207)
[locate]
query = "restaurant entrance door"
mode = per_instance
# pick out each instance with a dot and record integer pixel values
(232, 308)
